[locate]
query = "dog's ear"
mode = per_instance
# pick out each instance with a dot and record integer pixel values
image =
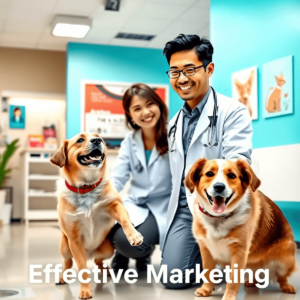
(249, 177)
(193, 177)
(60, 157)
(251, 77)
(237, 83)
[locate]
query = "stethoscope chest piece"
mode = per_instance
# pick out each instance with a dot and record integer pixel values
(139, 168)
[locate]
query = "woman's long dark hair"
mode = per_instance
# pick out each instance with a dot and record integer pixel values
(144, 91)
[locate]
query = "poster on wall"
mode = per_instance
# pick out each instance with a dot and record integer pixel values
(278, 87)
(102, 110)
(16, 117)
(244, 89)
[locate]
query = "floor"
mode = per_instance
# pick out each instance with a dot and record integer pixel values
(38, 243)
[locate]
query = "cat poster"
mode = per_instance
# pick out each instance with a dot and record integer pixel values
(244, 89)
(278, 87)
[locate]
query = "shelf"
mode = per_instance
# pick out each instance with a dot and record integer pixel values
(39, 160)
(42, 214)
(43, 177)
(42, 195)
(38, 150)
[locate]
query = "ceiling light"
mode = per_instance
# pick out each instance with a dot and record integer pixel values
(71, 26)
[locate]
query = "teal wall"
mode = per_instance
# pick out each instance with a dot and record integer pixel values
(112, 63)
(291, 210)
(250, 33)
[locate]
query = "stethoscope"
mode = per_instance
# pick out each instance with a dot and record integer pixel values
(211, 127)
(139, 167)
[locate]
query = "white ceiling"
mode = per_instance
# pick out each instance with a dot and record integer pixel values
(27, 23)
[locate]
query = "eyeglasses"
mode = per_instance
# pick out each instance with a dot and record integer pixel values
(186, 72)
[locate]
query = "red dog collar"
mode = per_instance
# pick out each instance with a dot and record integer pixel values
(84, 189)
(209, 215)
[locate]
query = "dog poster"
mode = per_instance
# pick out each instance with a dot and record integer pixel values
(244, 89)
(278, 87)
(17, 117)
(101, 107)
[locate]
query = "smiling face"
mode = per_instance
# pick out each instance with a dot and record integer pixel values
(190, 88)
(144, 112)
(220, 184)
(82, 158)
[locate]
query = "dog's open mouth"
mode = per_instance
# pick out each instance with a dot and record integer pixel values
(218, 203)
(95, 157)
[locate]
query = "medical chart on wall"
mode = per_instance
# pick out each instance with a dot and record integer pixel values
(102, 110)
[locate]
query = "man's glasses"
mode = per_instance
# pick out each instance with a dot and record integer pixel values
(186, 72)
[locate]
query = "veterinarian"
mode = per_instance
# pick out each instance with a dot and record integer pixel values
(143, 155)
(208, 125)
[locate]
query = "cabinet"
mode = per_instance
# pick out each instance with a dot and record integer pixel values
(39, 184)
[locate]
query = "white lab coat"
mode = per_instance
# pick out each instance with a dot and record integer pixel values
(233, 134)
(151, 184)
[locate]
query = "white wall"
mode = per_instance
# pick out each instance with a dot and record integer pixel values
(278, 169)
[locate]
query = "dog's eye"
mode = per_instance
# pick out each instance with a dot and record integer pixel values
(210, 174)
(231, 175)
(80, 140)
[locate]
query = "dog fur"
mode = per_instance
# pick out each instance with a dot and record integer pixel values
(86, 219)
(252, 231)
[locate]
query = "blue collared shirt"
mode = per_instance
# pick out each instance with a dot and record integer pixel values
(189, 123)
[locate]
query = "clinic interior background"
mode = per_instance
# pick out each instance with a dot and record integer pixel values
(243, 33)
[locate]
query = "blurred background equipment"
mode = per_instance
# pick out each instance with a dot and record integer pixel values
(112, 5)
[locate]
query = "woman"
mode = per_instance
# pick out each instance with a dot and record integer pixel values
(143, 155)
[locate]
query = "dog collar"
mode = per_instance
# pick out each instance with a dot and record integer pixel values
(219, 217)
(84, 189)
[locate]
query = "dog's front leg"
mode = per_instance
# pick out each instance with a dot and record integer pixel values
(120, 214)
(78, 251)
(209, 264)
(239, 255)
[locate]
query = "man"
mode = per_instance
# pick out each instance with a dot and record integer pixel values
(192, 136)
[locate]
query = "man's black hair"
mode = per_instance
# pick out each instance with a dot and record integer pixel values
(17, 108)
(202, 46)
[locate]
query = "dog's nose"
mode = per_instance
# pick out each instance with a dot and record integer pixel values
(96, 141)
(219, 187)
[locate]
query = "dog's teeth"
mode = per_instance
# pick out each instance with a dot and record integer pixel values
(86, 159)
(82, 161)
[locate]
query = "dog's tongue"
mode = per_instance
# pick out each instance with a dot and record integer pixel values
(218, 204)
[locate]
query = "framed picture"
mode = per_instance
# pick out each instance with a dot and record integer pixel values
(278, 87)
(101, 107)
(244, 89)
(17, 117)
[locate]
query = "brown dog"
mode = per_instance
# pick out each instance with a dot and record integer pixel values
(234, 223)
(87, 205)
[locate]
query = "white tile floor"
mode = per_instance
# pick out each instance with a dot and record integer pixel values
(38, 243)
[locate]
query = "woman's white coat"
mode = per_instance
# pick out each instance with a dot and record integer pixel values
(150, 185)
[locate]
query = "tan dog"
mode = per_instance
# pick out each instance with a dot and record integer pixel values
(244, 91)
(234, 223)
(87, 205)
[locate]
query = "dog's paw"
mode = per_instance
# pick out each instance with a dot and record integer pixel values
(85, 293)
(203, 292)
(228, 296)
(135, 238)
(289, 289)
